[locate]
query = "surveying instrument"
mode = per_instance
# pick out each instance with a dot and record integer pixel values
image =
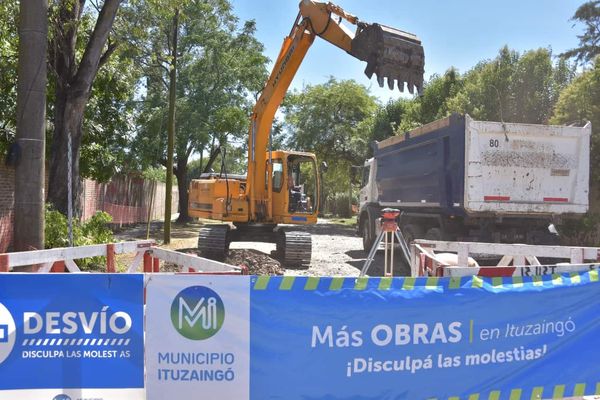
(389, 231)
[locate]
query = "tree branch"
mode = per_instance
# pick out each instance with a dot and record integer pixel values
(112, 46)
(88, 67)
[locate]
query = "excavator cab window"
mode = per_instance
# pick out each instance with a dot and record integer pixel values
(277, 175)
(302, 184)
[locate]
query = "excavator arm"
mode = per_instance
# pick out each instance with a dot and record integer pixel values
(389, 53)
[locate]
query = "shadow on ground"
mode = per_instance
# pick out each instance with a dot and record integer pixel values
(359, 257)
(188, 230)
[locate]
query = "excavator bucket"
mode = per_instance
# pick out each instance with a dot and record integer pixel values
(392, 54)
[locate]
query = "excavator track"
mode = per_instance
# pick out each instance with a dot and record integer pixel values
(213, 241)
(295, 248)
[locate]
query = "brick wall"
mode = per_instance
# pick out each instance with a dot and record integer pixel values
(125, 198)
(7, 179)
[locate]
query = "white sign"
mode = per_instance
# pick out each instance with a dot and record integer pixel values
(198, 337)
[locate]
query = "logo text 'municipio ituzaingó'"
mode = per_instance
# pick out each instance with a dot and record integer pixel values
(197, 312)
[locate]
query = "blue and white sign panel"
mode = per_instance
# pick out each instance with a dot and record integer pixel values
(372, 338)
(198, 337)
(406, 338)
(71, 336)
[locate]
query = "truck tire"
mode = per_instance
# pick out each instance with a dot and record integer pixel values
(368, 231)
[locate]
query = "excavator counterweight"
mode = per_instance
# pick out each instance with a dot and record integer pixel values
(390, 53)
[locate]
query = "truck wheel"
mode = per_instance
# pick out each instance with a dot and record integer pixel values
(368, 232)
(434, 234)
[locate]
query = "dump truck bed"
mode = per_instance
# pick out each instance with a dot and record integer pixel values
(465, 167)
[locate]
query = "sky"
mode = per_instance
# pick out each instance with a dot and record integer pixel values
(457, 33)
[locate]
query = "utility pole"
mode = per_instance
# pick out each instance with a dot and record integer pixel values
(31, 125)
(171, 129)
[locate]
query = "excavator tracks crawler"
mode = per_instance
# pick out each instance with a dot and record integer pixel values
(295, 248)
(213, 241)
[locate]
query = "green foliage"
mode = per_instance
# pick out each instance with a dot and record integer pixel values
(338, 205)
(332, 120)
(388, 118)
(221, 64)
(579, 102)
(220, 68)
(440, 89)
(511, 88)
(589, 42)
(107, 125)
(93, 231)
(581, 231)
(158, 174)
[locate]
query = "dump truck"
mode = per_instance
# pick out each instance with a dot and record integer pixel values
(282, 187)
(459, 179)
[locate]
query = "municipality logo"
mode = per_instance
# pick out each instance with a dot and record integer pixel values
(61, 397)
(197, 312)
(7, 333)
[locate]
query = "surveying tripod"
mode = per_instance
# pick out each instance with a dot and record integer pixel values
(389, 230)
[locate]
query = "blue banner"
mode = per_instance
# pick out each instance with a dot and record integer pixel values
(71, 331)
(425, 338)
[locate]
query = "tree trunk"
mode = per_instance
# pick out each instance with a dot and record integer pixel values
(182, 185)
(171, 130)
(68, 119)
(211, 159)
(73, 90)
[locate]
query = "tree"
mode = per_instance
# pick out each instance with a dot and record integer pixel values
(334, 121)
(220, 66)
(486, 92)
(74, 77)
(589, 42)
(108, 111)
(388, 119)
(440, 89)
(580, 102)
(512, 87)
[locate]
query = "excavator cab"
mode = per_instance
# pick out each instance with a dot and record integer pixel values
(295, 187)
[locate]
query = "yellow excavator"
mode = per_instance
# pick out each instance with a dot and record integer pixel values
(282, 187)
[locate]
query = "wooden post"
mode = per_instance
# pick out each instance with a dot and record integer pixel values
(147, 262)
(3, 262)
(110, 258)
(58, 266)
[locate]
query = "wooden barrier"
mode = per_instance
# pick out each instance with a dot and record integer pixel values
(146, 256)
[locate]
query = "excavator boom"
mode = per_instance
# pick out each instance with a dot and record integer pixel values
(390, 53)
(282, 187)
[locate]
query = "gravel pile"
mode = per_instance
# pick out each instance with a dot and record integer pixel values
(258, 263)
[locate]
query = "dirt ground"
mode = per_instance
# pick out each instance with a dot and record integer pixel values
(337, 250)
